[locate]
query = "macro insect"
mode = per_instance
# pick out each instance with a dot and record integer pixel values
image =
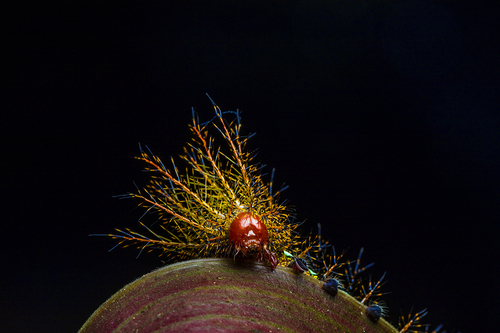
(218, 204)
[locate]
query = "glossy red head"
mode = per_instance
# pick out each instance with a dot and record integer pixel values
(248, 233)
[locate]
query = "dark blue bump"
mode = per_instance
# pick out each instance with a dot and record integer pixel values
(332, 286)
(374, 312)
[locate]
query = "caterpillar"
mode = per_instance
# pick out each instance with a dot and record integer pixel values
(215, 202)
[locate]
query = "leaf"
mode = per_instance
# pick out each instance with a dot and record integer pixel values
(221, 295)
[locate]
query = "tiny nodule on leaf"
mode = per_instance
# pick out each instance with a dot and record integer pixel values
(332, 286)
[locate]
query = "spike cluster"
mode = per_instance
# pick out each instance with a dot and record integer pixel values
(203, 208)
(196, 207)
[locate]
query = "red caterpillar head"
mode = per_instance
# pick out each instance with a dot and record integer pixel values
(249, 233)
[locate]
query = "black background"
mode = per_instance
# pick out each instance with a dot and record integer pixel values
(382, 116)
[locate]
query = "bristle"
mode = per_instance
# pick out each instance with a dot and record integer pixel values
(412, 323)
